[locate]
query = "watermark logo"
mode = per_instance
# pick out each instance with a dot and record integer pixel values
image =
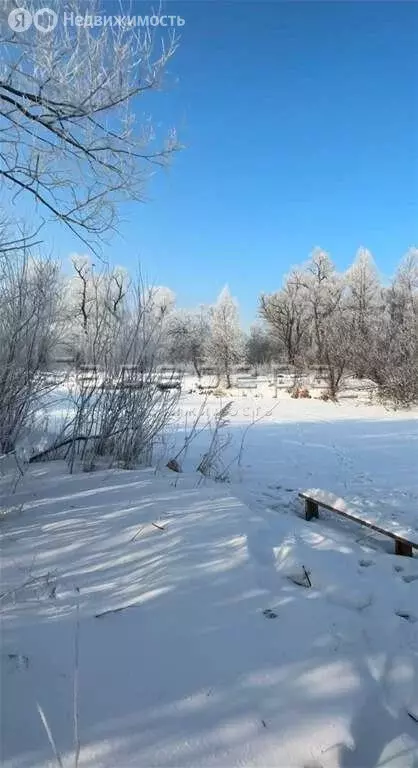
(20, 20)
(44, 20)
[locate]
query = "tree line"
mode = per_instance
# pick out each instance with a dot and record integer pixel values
(104, 320)
(319, 318)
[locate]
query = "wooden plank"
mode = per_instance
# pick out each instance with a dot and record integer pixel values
(397, 537)
(311, 509)
(403, 548)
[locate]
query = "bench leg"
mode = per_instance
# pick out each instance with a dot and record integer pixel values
(403, 548)
(311, 509)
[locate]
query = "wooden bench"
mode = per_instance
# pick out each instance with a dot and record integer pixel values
(165, 385)
(405, 540)
(246, 383)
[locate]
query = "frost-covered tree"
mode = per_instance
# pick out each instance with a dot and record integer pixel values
(337, 346)
(298, 314)
(393, 352)
(118, 330)
(286, 315)
(350, 322)
(187, 338)
(225, 344)
(73, 144)
(30, 328)
(365, 300)
(100, 315)
(95, 306)
(324, 289)
(364, 287)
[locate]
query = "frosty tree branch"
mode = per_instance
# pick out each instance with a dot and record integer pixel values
(72, 139)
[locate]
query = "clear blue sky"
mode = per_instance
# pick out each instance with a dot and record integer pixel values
(300, 121)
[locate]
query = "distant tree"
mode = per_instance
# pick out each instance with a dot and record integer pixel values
(297, 314)
(95, 305)
(163, 298)
(225, 344)
(364, 300)
(286, 314)
(187, 338)
(337, 346)
(258, 346)
(324, 288)
(393, 351)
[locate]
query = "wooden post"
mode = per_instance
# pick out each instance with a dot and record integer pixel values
(311, 509)
(403, 548)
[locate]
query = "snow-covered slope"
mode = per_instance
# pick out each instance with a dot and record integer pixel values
(201, 642)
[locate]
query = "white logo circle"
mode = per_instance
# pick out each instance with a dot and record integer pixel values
(45, 20)
(20, 19)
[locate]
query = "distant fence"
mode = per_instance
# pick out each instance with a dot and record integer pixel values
(245, 382)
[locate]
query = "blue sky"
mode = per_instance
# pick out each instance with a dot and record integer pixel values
(300, 121)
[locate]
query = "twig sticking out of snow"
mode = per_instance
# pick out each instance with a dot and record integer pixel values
(174, 463)
(211, 464)
(301, 578)
(307, 575)
(141, 528)
(76, 687)
(115, 610)
(137, 533)
(50, 736)
(75, 701)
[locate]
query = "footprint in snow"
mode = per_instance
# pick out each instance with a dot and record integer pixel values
(365, 563)
(18, 660)
(269, 614)
(406, 615)
(411, 577)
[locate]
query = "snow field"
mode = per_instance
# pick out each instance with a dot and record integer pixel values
(201, 643)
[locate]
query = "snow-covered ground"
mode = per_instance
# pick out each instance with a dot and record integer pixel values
(222, 653)
(363, 452)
